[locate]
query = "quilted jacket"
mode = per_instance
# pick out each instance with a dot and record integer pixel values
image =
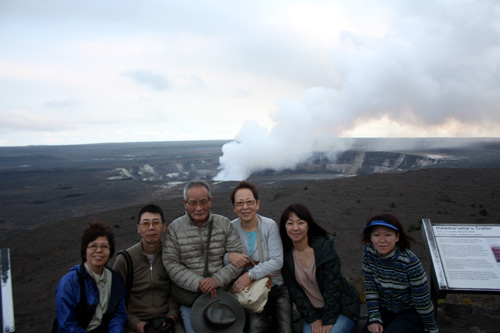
(185, 248)
(341, 298)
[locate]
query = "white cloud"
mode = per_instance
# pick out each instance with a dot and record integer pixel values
(200, 69)
(153, 80)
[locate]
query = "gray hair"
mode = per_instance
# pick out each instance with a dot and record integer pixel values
(197, 183)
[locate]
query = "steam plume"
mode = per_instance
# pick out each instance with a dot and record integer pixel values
(437, 70)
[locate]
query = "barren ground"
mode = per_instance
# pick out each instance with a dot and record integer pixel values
(41, 256)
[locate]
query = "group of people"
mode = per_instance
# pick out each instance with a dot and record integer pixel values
(183, 283)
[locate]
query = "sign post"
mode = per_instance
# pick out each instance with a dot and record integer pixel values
(6, 293)
(465, 257)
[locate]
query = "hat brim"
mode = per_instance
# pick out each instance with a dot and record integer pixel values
(380, 223)
(202, 301)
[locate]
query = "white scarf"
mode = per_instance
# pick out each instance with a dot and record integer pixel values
(103, 282)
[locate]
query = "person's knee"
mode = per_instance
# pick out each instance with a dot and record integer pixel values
(258, 322)
(408, 321)
(344, 324)
(282, 304)
(306, 328)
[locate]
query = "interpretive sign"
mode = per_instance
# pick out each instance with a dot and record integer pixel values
(465, 257)
(6, 292)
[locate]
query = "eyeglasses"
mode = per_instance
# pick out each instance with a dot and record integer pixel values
(147, 224)
(94, 247)
(194, 204)
(249, 203)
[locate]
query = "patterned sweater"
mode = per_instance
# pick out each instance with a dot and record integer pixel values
(396, 282)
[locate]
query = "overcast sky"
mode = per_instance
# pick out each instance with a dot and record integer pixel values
(93, 71)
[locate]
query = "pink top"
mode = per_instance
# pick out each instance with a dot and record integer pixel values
(306, 278)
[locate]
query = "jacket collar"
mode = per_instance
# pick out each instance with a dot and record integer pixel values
(389, 256)
(321, 246)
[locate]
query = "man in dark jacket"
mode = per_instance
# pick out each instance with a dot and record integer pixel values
(149, 299)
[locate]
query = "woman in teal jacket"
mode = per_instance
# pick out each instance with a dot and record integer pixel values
(311, 270)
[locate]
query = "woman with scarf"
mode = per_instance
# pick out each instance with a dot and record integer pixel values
(91, 297)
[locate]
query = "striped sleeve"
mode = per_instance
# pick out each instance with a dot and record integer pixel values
(420, 293)
(371, 290)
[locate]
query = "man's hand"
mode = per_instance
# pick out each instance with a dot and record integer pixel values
(238, 259)
(208, 285)
(139, 327)
(376, 328)
(241, 283)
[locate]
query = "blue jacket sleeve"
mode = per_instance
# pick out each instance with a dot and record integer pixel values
(117, 300)
(67, 297)
(117, 323)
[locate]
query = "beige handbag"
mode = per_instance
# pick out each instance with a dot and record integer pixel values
(254, 297)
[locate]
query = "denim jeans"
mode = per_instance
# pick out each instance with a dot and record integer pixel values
(342, 325)
(406, 321)
(186, 318)
(276, 316)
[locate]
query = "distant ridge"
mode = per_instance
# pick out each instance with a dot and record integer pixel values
(48, 183)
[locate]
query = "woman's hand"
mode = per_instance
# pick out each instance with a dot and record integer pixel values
(241, 283)
(376, 328)
(238, 259)
(326, 328)
(317, 326)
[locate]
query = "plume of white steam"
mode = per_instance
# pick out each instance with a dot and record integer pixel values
(433, 67)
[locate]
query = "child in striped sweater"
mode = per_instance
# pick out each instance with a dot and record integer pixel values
(397, 293)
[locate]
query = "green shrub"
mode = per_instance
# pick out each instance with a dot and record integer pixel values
(359, 284)
(415, 227)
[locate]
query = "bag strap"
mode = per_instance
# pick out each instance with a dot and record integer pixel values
(259, 245)
(129, 281)
(261, 253)
(81, 281)
(210, 227)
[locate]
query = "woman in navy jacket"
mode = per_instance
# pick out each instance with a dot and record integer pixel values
(100, 305)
